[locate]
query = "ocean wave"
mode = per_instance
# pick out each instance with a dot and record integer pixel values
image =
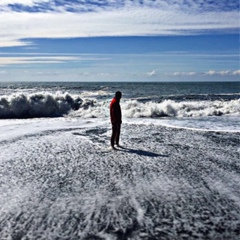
(45, 104)
(166, 108)
(42, 104)
(170, 108)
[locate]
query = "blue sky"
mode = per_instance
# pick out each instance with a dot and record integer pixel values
(114, 40)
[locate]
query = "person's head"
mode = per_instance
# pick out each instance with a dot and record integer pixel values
(118, 95)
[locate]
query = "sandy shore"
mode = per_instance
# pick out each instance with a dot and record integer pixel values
(164, 183)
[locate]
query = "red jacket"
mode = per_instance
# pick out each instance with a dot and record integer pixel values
(115, 111)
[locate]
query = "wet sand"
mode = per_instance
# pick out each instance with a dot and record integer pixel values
(164, 183)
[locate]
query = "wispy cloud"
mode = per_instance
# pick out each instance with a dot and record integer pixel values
(23, 2)
(208, 73)
(223, 73)
(236, 72)
(33, 60)
(29, 60)
(96, 5)
(152, 73)
(22, 19)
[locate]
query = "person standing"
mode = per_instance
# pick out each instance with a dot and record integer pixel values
(116, 118)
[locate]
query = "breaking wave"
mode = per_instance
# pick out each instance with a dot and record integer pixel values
(166, 108)
(45, 104)
(35, 105)
(170, 108)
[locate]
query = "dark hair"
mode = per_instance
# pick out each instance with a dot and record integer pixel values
(118, 94)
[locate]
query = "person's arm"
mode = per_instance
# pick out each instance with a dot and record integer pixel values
(113, 112)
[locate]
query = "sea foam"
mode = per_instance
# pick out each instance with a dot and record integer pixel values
(45, 104)
(166, 108)
(171, 108)
(42, 104)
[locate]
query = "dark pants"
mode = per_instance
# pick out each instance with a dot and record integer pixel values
(116, 128)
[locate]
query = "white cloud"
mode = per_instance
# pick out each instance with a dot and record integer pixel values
(23, 2)
(27, 2)
(33, 60)
(221, 73)
(236, 72)
(9, 42)
(186, 5)
(208, 73)
(184, 74)
(229, 73)
(152, 73)
(125, 21)
(44, 59)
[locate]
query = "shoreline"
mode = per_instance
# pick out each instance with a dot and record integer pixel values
(164, 183)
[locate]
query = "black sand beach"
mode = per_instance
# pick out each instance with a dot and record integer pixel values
(164, 183)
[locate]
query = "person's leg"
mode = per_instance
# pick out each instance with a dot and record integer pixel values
(118, 131)
(113, 137)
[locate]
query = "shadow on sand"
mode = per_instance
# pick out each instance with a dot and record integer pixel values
(141, 152)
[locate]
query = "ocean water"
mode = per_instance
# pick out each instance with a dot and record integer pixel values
(176, 175)
(202, 105)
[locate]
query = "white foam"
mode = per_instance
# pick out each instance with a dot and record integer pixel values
(219, 124)
(85, 94)
(45, 104)
(167, 108)
(41, 104)
(181, 109)
(56, 184)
